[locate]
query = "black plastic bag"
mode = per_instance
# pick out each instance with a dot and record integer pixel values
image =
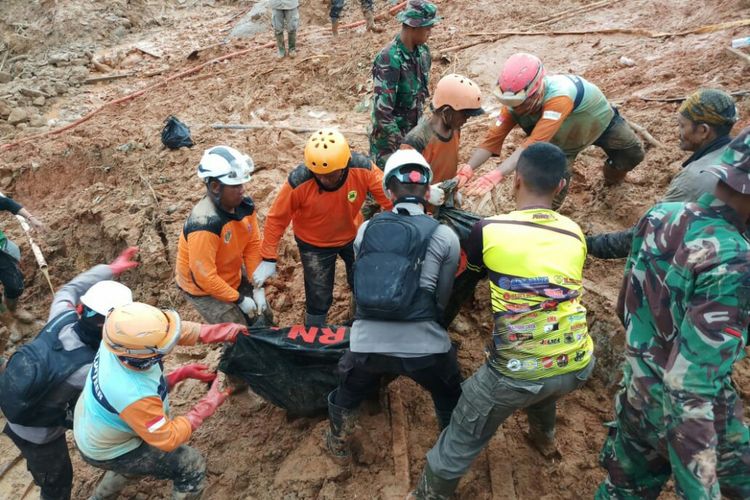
(294, 368)
(175, 134)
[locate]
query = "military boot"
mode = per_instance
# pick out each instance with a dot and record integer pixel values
(280, 44)
(370, 20)
(110, 487)
(433, 487)
(341, 427)
(335, 27)
(292, 44)
(612, 176)
(21, 315)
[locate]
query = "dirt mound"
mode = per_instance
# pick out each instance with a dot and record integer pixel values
(109, 183)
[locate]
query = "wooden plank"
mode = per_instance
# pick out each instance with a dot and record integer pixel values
(399, 437)
(501, 468)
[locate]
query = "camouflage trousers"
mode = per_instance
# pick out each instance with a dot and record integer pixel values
(338, 5)
(184, 466)
(216, 311)
(638, 462)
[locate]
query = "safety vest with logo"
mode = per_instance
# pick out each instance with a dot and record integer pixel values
(535, 262)
(591, 114)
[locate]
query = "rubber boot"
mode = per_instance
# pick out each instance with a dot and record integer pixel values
(110, 487)
(335, 27)
(341, 422)
(315, 319)
(292, 44)
(433, 487)
(21, 314)
(543, 442)
(370, 19)
(443, 417)
(612, 176)
(280, 44)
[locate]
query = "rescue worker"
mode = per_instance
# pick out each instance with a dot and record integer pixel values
(322, 199)
(438, 136)
(220, 236)
(401, 73)
(397, 333)
(122, 419)
(43, 379)
(705, 120)
(540, 348)
(567, 111)
(367, 10)
(285, 15)
(10, 273)
(685, 304)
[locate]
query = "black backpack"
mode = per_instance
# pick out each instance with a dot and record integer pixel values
(388, 268)
(35, 371)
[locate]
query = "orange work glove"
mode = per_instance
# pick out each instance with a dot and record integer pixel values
(464, 174)
(124, 261)
(208, 405)
(195, 371)
(221, 332)
(486, 183)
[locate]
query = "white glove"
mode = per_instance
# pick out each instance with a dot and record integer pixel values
(437, 195)
(259, 296)
(265, 270)
(247, 305)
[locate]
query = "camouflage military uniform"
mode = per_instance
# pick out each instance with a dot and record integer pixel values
(400, 79)
(686, 310)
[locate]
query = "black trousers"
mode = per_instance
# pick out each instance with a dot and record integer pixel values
(437, 373)
(49, 465)
(319, 269)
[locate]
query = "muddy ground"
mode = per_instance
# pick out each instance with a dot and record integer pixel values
(109, 183)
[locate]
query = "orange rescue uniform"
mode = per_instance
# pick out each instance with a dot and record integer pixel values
(440, 152)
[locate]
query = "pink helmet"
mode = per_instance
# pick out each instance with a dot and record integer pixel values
(521, 77)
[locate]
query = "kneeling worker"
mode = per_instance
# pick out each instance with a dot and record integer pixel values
(122, 421)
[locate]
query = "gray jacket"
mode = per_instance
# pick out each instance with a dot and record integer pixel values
(420, 338)
(65, 299)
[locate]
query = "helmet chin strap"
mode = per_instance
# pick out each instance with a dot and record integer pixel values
(410, 198)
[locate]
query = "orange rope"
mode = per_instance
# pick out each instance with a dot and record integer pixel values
(195, 69)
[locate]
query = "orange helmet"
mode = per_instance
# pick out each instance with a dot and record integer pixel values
(459, 93)
(327, 151)
(141, 331)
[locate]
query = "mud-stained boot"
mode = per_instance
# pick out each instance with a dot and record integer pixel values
(292, 44)
(192, 495)
(370, 20)
(612, 176)
(543, 442)
(341, 422)
(443, 417)
(433, 487)
(280, 45)
(110, 487)
(335, 27)
(21, 314)
(315, 319)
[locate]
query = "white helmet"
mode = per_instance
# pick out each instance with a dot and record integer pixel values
(403, 158)
(106, 295)
(226, 165)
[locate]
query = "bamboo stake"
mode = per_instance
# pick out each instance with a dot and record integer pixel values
(745, 58)
(9, 465)
(646, 135)
(268, 126)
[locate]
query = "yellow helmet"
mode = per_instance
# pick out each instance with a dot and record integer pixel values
(327, 151)
(140, 331)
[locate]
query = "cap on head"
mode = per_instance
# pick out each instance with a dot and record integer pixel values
(460, 93)
(326, 151)
(106, 295)
(522, 77)
(401, 165)
(419, 14)
(138, 330)
(734, 168)
(711, 106)
(226, 165)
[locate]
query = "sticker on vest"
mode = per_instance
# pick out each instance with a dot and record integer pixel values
(156, 424)
(227, 236)
(351, 196)
(551, 115)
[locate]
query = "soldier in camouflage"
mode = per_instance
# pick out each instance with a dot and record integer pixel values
(685, 304)
(400, 74)
(705, 120)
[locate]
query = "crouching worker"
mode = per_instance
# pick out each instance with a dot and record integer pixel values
(43, 379)
(122, 421)
(403, 275)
